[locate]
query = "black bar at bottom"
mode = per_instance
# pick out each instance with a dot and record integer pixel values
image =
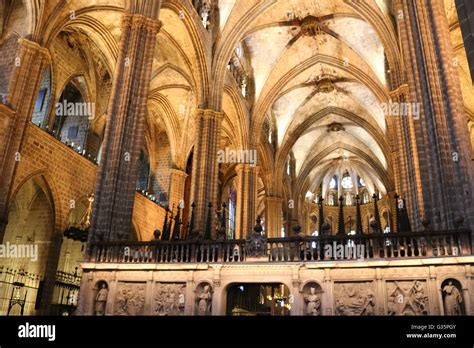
(223, 331)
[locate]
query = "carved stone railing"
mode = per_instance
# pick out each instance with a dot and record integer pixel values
(293, 249)
(169, 252)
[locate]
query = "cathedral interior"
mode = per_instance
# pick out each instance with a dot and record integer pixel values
(236, 157)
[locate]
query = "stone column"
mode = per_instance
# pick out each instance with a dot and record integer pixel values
(218, 301)
(50, 272)
(404, 155)
(177, 184)
(468, 291)
(189, 308)
(247, 181)
(25, 80)
(110, 306)
(273, 216)
(462, 190)
(125, 130)
(205, 165)
(217, 292)
(297, 307)
(327, 297)
(440, 168)
(433, 293)
(379, 293)
(150, 290)
(85, 305)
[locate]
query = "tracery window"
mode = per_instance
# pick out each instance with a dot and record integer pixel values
(347, 183)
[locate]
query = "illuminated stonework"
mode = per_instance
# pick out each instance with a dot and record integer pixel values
(310, 26)
(304, 87)
(335, 127)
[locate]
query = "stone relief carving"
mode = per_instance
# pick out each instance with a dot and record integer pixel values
(256, 243)
(354, 299)
(170, 298)
(452, 298)
(407, 298)
(130, 299)
(204, 300)
(101, 299)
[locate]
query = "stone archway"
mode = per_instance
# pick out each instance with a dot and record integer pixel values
(29, 232)
(255, 299)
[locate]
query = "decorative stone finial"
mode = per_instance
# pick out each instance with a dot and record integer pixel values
(258, 226)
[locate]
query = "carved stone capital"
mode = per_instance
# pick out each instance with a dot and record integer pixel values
(138, 21)
(209, 115)
(400, 91)
(247, 168)
(179, 173)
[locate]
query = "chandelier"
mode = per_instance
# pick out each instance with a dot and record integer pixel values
(80, 231)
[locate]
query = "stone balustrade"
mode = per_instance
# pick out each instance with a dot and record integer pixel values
(292, 249)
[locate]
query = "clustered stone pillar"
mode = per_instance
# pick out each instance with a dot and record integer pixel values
(247, 184)
(441, 168)
(273, 216)
(54, 253)
(405, 156)
(125, 130)
(204, 183)
(27, 73)
(177, 183)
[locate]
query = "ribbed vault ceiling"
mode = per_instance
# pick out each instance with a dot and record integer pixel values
(318, 90)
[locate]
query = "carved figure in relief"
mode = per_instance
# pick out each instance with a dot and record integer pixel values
(101, 300)
(313, 303)
(204, 301)
(331, 199)
(354, 299)
(369, 305)
(452, 300)
(130, 300)
(170, 299)
(348, 198)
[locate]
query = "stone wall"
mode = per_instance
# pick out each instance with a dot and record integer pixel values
(160, 169)
(72, 177)
(9, 49)
(147, 217)
(397, 287)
